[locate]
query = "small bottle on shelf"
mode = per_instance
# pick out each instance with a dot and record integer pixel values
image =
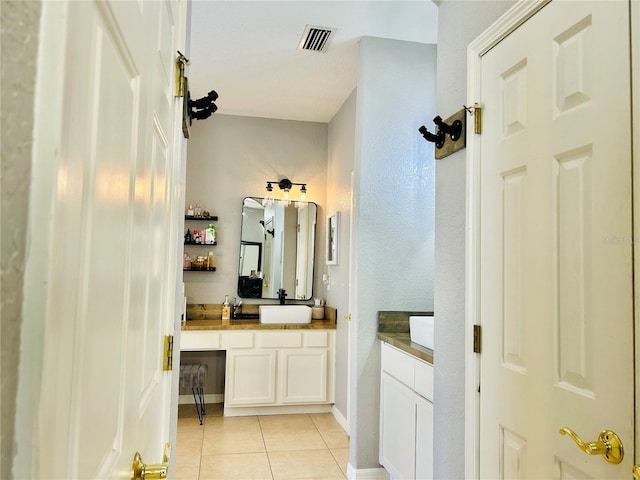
(211, 234)
(190, 210)
(210, 260)
(198, 211)
(188, 238)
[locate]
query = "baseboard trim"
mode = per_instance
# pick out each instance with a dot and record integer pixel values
(208, 398)
(230, 411)
(340, 419)
(366, 473)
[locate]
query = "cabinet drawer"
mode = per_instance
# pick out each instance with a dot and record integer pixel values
(316, 339)
(241, 340)
(398, 364)
(199, 340)
(424, 379)
(280, 339)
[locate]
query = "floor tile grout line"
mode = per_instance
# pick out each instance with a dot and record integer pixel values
(264, 443)
(262, 424)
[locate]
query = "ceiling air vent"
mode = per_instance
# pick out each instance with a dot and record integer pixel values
(316, 38)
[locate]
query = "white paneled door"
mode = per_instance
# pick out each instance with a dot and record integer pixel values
(110, 275)
(556, 256)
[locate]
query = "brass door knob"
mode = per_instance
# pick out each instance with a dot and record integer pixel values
(636, 471)
(608, 445)
(142, 471)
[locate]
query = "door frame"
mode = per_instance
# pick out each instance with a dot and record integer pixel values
(506, 24)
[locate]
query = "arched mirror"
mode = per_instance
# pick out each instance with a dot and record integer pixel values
(277, 247)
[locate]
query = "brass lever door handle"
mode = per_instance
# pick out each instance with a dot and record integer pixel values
(608, 445)
(142, 471)
(636, 471)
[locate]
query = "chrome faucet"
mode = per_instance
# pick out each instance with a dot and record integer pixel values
(281, 294)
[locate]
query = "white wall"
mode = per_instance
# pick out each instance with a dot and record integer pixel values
(392, 261)
(459, 22)
(19, 38)
(339, 168)
(232, 157)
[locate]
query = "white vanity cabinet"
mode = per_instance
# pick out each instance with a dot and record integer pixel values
(278, 369)
(250, 377)
(406, 415)
(272, 371)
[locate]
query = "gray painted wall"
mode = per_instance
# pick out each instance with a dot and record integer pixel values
(459, 23)
(339, 168)
(392, 261)
(231, 157)
(19, 30)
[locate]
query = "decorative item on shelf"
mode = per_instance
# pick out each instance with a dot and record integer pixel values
(285, 185)
(200, 264)
(450, 135)
(210, 235)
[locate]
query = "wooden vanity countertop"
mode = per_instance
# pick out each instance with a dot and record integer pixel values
(208, 317)
(217, 324)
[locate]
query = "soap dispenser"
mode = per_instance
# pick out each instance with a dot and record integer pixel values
(226, 308)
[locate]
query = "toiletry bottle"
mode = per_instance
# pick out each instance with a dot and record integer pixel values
(226, 308)
(210, 260)
(188, 238)
(190, 210)
(211, 234)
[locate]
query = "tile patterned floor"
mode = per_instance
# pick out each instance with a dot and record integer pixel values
(271, 447)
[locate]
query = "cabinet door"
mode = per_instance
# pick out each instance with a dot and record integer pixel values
(303, 375)
(397, 428)
(251, 377)
(424, 439)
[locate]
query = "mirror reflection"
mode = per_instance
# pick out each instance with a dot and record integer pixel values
(277, 246)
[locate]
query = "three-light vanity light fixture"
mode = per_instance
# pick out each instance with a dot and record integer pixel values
(285, 186)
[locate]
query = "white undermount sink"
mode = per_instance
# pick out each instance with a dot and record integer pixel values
(421, 330)
(285, 314)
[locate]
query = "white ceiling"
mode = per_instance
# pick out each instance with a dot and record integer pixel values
(247, 52)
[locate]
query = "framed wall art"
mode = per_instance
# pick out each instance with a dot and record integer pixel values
(333, 233)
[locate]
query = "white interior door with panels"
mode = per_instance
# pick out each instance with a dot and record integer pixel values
(112, 186)
(551, 278)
